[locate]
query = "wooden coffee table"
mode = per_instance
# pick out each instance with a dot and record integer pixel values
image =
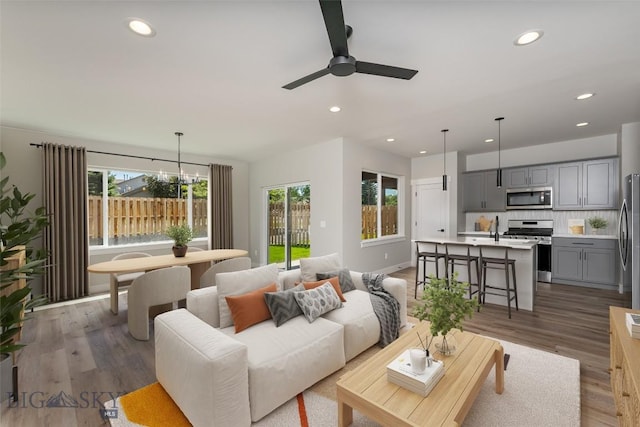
(367, 390)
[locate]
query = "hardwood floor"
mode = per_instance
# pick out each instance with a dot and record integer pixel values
(86, 353)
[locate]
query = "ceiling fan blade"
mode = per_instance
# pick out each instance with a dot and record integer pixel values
(384, 70)
(334, 21)
(307, 79)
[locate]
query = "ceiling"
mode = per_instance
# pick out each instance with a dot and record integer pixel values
(214, 71)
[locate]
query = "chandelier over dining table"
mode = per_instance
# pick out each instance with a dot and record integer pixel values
(182, 177)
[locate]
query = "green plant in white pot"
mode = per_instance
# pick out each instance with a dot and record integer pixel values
(19, 227)
(445, 305)
(181, 235)
(597, 223)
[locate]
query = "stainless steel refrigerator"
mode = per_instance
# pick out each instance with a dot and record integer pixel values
(629, 237)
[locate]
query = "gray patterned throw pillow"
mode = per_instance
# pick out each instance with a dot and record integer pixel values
(317, 301)
(282, 305)
(344, 278)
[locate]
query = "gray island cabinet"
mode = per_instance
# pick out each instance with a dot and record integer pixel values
(584, 261)
(523, 251)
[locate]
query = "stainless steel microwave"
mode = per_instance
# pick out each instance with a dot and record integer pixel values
(529, 198)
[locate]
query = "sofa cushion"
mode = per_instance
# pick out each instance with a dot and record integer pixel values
(241, 282)
(344, 278)
(250, 308)
(334, 282)
(310, 266)
(285, 361)
(361, 325)
(315, 302)
(282, 305)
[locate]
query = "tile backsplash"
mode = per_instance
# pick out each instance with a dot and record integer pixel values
(560, 219)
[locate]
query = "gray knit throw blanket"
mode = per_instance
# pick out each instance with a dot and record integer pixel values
(386, 307)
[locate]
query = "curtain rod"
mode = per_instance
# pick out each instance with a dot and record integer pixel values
(133, 157)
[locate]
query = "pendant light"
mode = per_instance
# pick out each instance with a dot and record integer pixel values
(180, 173)
(499, 171)
(444, 157)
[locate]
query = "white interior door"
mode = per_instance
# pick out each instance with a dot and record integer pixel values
(430, 213)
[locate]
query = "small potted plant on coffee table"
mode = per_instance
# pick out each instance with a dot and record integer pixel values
(181, 235)
(445, 305)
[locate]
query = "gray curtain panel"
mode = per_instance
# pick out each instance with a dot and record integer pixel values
(221, 224)
(66, 238)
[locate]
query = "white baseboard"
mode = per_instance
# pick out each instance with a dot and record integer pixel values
(394, 268)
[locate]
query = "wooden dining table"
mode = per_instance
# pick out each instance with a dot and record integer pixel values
(198, 262)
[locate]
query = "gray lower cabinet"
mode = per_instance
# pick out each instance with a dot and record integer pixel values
(481, 193)
(584, 262)
(591, 184)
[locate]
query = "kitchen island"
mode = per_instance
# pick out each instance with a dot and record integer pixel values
(523, 251)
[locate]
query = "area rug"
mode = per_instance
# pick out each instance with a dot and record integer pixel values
(541, 389)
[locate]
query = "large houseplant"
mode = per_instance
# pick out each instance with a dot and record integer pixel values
(445, 305)
(181, 235)
(19, 227)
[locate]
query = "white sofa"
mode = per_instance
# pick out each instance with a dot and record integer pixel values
(219, 377)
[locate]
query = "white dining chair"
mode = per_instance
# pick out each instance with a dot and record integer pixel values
(208, 278)
(162, 286)
(123, 279)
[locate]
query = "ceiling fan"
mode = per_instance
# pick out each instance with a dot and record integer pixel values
(343, 64)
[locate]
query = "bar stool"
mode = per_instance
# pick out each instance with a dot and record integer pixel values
(428, 252)
(499, 263)
(464, 260)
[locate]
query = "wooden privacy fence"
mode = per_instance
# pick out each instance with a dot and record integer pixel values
(132, 217)
(389, 221)
(299, 224)
(300, 220)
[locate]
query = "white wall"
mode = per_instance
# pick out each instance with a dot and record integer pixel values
(629, 149)
(372, 258)
(321, 166)
(24, 169)
(576, 149)
(334, 170)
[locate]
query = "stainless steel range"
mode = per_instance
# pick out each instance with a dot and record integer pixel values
(540, 230)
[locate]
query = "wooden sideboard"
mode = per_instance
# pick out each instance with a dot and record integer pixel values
(625, 368)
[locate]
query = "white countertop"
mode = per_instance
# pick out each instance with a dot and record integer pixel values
(587, 236)
(484, 241)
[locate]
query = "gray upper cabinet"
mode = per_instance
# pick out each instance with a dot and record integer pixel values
(533, 176)
(481, 193)
(590, 185)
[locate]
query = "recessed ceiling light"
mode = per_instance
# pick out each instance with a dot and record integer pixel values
(334, 109)
(423, 152)
(391, 139)
(584, 96)
(140, 27)
(582, 124)
(488, 140)
(528, 37)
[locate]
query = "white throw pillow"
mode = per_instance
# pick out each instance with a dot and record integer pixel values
(241, 282)
(310, 266)
(317, 301)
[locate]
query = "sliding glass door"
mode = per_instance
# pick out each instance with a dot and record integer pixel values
(288, 220)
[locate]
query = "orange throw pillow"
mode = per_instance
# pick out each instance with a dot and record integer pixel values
(250, 308)
(335, 282)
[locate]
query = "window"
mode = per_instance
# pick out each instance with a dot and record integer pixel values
(380, 201)
(127, 207)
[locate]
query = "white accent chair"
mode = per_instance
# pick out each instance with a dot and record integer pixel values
(124, 279)
(162, 286)
(208, 278)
